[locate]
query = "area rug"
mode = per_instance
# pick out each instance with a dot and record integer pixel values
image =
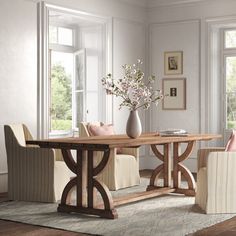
(170, 215)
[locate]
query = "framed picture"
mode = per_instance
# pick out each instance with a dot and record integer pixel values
(176, 91)
(173, 63)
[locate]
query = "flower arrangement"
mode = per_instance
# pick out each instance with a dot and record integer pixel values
(134, 92)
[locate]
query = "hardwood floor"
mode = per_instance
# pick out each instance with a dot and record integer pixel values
(225, 228)
(10, 228)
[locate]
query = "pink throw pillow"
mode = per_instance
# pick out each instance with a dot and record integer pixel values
(231, 145)
(97, 130)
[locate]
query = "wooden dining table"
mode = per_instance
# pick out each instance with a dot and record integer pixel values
(88, 186)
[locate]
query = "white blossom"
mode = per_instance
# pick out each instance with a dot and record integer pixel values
(135, 93)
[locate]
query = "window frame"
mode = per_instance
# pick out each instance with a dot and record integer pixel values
(75, 91)
(224, 41)
(106, 23)
(64, 49)
(226, 52)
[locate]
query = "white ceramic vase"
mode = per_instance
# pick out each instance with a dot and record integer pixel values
(133, 126)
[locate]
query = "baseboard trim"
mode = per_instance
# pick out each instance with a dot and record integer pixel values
(3, 182)
(3, 173)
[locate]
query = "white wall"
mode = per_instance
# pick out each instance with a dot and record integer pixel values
(18, 56)
(18, 74)
(129, 41)
(172, 37)
(184, 27)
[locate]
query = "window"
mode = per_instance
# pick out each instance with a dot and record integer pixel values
(61, 76)
(60, 35)
(74, 88)
(229, 55)
(230, 38)
(66, 34)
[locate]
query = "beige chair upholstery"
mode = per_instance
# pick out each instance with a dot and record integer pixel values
(216, 181)
(122, 170)
(34, 174)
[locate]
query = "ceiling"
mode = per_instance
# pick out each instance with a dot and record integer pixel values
(73, 20)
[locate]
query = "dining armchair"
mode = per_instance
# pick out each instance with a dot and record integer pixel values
(122, 169)
(34, 173)
(216, 180)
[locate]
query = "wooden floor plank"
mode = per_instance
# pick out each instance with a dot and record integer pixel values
(10, 228)
(225, 228)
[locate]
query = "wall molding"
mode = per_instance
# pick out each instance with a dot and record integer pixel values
(222, 20)
(3, 182)
(150, 4)
(155, 4)
(166, 23)
(136, 3)
(131, 21)
(3, 173)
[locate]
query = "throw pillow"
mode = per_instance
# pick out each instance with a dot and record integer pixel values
(231, 145)
(97, 130)
(93, 124)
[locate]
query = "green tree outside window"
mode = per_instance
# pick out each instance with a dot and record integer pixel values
(61, 99)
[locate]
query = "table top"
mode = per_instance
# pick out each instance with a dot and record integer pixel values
(121, 140)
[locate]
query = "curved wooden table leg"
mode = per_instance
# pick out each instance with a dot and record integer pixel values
(179, 169)
(71, 164)
(163, 168)
(108, 211)
(85, 183)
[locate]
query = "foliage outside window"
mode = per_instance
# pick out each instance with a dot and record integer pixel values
(61, 99)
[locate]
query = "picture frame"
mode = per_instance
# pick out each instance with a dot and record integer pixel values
(173, 63)
(176, 91)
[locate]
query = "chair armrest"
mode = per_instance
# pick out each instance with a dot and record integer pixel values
(35, 152)
(221, 181)
(32, 145)
(221, 162)
(131, 151)
(58, 155)
(98, 157)
(108, 172)
(27, 168)
(57, 152)
(201, 195)
(203, 153)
